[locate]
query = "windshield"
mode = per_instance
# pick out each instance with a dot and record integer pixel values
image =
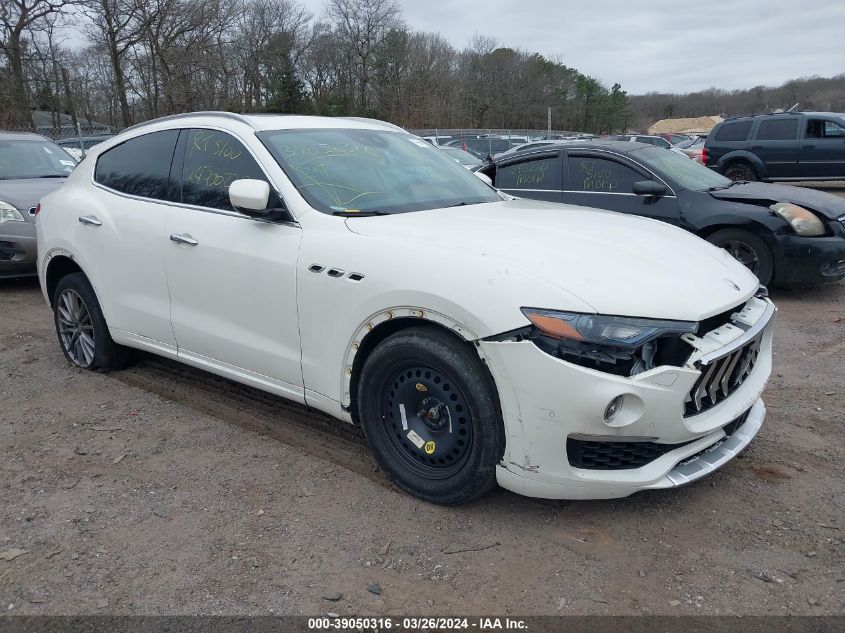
(33, 159)
(687, 173)
(375, 171)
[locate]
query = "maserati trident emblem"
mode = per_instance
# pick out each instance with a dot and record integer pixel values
(732, 284)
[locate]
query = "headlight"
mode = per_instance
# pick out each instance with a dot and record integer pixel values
(625, 346)
(618, 331)
(803, 221)
(8, 213)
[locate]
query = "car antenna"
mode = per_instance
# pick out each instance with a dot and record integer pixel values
(793, 107)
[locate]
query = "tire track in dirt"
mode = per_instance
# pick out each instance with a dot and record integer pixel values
(252, 409)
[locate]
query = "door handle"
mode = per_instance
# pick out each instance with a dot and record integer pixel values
(90, 220)
(808, 147)
(183, 239)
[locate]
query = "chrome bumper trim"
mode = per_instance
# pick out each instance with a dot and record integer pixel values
(743, 340)
(721, 452)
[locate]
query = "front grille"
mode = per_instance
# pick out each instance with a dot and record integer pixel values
(614, 455)
(593, 455)
(722, 376)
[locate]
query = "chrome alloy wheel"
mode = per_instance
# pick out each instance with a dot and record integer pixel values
(75, 328)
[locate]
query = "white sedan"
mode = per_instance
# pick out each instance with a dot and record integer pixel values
(345, 264)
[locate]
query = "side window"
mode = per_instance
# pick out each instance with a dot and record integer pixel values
(588, 173)
(817, 128)
(139, 166)
(778, 130)
(734, 131)
(536, 173)
(212, 161)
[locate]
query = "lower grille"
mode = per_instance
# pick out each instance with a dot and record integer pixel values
(614, 455)
(722, 376)
(593, 455)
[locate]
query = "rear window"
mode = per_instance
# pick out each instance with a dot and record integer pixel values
(139, 166)
(734, 131)
(778, 130)
(542, 173)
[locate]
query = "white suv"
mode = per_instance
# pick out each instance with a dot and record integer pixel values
(343, 263)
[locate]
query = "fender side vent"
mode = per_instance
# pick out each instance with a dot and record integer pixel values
(316, 268)
(355, 277)
(335, 272)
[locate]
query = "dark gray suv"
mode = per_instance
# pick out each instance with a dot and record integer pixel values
(779, 146)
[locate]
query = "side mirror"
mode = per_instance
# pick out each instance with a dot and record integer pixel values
(252, 197)
(649, 188)
(249, 196)
(484, 177)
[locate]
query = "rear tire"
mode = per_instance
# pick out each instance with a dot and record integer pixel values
(81, 328)
(747, 249)
(741, 170)
(431, 415)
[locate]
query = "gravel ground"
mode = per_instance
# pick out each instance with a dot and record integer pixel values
(164, 490)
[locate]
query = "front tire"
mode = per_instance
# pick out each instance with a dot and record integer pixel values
(81, 328)
(431, 415)
(748, 249)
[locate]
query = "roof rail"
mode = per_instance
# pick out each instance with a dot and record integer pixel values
(183, 115)
(748, 116)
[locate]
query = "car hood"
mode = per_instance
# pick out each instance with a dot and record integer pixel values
(26, 192)
(615, 263)
(826, 204)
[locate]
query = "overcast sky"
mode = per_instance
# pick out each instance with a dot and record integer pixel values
(653, 45)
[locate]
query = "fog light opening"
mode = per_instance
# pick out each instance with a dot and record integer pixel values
(613, 408)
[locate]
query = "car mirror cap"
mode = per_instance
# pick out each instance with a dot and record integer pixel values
(649, 188)
(484, 177)
(249, 195)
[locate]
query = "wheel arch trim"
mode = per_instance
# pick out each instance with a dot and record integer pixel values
(372, 331)
(743, 155)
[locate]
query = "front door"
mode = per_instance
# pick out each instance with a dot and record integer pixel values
(232, 278)
(605, 181)
(823, 149)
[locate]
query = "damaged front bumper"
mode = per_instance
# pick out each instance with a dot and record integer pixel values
(676, 424)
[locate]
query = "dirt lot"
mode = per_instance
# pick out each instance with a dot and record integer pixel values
(162, 489)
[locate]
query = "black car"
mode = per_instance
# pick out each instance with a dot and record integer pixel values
(785, 235)
(782, 146)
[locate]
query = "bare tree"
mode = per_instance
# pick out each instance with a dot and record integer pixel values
(362, 26)
(18, 18)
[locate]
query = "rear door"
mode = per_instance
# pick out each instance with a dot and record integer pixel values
(823, 149)
(232, 278)
(776, 144)
(605, 181)
(538, 176)
(120, 234)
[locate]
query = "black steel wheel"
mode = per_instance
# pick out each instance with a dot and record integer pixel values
(431, 415)
(426, 420)
(81, 328)
(748, 249)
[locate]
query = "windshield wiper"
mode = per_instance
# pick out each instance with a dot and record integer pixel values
(732, 183)
(358, 214)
